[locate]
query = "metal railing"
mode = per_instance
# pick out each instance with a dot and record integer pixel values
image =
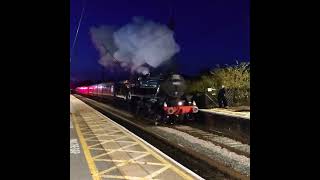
(235, 97)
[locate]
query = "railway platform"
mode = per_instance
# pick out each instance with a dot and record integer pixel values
(228, 112)
(110, 151)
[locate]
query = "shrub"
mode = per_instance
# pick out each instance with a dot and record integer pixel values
(236, 79)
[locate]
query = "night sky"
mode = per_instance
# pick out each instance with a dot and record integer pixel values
(209, 32)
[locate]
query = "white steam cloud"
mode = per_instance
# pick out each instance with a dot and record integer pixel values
(102, 38)
(134, 46)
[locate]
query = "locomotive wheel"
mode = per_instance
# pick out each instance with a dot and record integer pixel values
(190, 117)
(139, 107)
(136, 107)
(128, 96)
(166, 120)
(157, 119)
(137, 110)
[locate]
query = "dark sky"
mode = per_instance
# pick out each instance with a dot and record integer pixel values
(209, 32)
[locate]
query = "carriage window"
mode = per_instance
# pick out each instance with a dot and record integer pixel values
(111, 89)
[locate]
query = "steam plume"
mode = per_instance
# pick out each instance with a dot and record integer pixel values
(134, 46)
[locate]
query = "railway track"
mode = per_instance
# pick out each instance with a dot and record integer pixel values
(225, 142)
(200, 132)
(200, 164)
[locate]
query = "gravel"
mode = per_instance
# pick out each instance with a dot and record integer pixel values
(219, 139)
(238, 162)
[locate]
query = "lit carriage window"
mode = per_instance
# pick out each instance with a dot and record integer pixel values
(111, 89)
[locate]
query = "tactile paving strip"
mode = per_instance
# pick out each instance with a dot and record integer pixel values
(114, 153)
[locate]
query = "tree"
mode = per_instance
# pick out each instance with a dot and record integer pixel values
(236, 78)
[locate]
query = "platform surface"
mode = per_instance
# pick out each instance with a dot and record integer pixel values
(79, 169)
(228, 112)
(113, 152)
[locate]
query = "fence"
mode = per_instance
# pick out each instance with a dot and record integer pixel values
(238, 97)
(235, 97)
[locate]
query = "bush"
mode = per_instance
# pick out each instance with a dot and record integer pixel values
(236, 79)
(233, 77)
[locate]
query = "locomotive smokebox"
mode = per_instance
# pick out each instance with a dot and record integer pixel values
(174, 86)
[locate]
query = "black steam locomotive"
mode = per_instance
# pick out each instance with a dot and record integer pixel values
(160, 98)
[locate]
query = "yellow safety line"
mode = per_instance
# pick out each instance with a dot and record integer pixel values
(92, 140)
(102, 142)
(91, 164)
(116, 166)
(124, 150)
(153, 153)
(114, 150)
(156, 173)
(124, 177)
(96, 149)
(157, 156)
(93, 137)
(134, 162)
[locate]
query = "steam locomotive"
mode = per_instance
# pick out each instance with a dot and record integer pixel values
(161, 99)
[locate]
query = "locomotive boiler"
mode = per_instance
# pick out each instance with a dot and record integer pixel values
(163, 99)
